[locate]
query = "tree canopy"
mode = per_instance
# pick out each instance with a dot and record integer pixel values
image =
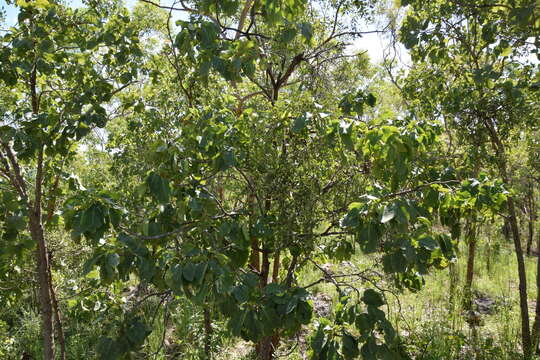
(207, 155)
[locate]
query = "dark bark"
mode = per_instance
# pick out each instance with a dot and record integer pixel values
(276, 267)
(266, 348)
(513, 222)
(472, 242)
(208, 331)
(265, 268)
(536, 324)
(524, 309)
(58, 320)
(254, 260)
(531, 236)
(531, 216)
(45, 300)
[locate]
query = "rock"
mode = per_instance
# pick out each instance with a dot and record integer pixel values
(484, 305)
(322, 304)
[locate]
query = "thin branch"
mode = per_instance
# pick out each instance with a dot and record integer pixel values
(16, 176)
(416, 188)
(170, 8)
(242, 20)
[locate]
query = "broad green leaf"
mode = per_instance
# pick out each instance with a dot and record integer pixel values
(373, 298)
(137, 332)
(189, 271)
(428, 243)
(159, 187)
(389, 213)
(350, 346)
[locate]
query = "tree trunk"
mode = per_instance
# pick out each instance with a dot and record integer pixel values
(207, 333)
(254, 257)
(531, 212)
(531, 235)
(276, 267)
(45, 301)
(536, 324)
(266, 348)
(512, 220)
(506, 230)
(59, 328)
(524, 309)
(489, 248)
(472, 241)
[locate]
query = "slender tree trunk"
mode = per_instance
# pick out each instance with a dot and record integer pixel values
(45, 300)
(507, 231)
(265, 347)
(454, 276)
(254, 259)
(472, 242)
(536, 325)
(531, 212)
(512, 219)
(208, 331)
(489, 248)
(276, 267)
(58, 319)
(524, 309)
(531, 236)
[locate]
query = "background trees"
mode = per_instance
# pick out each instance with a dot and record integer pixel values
(478, 65)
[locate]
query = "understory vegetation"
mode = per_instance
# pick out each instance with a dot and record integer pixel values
(251, 179)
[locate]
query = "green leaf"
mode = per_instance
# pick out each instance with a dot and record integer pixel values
(288, 35)
(364, 324)
(137, 332)
(318, 340)
(371, 100)
(189, 271)
(428, 243)
(241, 293)
(159, 187)
(389, 213)
(350, 346)
(373, 298)
(291, 305)
(113, 260)
(299, 124)
(306, 30)
(368, 237)
(91, 219)
(46, 45)
(237, 322)
(252, 327)
(107, 349)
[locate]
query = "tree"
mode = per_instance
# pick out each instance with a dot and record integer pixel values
(476, 76)
(60, 68)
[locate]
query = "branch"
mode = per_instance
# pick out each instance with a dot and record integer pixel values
(242, 20)
(159, 236)
(327, 276)
(408, 191)
(283, 80)
(39, 184)
(183, 8)
(16, 178)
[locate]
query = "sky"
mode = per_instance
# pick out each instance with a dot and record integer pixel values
(373, 43)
